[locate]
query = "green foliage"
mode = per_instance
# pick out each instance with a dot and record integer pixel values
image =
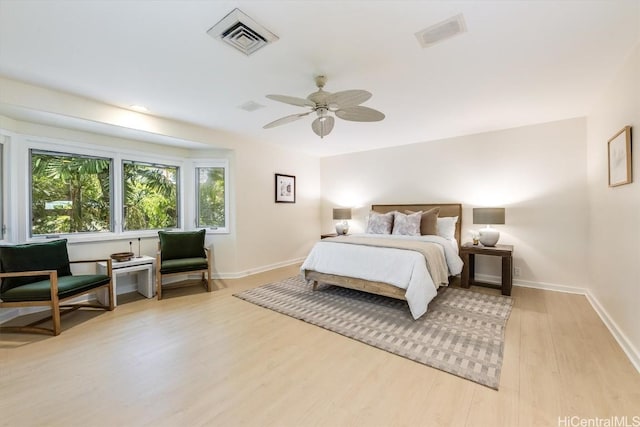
(81, 183)
(211, 197)
(150, 196)
(73, 194)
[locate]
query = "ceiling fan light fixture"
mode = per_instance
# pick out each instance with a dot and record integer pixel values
(322, 113)
(322, 126)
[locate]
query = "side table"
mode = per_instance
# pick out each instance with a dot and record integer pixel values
(468, 254)
(142, 267)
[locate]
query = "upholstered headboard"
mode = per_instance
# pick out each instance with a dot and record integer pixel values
(446, 209)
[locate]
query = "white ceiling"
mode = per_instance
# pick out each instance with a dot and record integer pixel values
(519, 63)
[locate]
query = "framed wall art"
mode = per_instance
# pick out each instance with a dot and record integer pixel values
(285, 188)
(619, 156)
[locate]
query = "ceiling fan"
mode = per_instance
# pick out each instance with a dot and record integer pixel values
(345, 104)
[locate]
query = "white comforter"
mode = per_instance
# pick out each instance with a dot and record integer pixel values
(402, 268)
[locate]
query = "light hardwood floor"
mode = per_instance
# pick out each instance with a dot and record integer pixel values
(211, 359)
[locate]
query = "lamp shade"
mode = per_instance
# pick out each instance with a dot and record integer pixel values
(489, 216)
(342, 213)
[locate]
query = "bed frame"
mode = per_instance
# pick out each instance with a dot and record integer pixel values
(379, 288)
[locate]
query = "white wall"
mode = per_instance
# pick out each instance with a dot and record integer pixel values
(614, 228)
(269, 232)
(537, 172)
(263, 234)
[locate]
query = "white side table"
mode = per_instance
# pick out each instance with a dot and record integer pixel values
(143, 266)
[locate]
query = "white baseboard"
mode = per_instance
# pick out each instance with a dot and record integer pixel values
(9, 314)
(257, 270)
(22, 311)
(627, 346)
(550, 287)
(535, 285)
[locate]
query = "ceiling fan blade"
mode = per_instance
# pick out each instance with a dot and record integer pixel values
(300, 102)
(322, 126)
(360, 114)
(286, 119)
(348, 98)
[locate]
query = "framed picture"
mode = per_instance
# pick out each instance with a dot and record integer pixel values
(620, 157)
(285, 188)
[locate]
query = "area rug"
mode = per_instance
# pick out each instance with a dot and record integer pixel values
(462, 332)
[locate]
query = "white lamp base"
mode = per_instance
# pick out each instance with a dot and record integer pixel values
(342, 228)
(489, 236)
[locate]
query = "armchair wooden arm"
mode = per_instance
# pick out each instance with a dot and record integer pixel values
(109, 262)
(29, 273)
(91, 260)
(53, 278)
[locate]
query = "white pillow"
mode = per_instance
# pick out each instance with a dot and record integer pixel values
(407, 225)
(447, 226)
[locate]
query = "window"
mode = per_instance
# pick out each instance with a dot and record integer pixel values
(70, 193)
(150, 196)
(211, 188)
(87, 193)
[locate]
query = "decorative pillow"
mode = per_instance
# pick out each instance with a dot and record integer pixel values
(380, 223)
(429, 221)
(32, 257)
(408, 225)
(182, 244)
(447, 227)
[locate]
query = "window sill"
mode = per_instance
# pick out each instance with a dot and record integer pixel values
(105, 237)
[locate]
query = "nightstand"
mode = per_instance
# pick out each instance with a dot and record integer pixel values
(468, 254)
(324, 236)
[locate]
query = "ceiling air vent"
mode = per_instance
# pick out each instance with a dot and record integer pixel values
(441, 31)
(241, 32)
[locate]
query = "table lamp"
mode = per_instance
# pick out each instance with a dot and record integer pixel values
(342, 214)
(489, 216)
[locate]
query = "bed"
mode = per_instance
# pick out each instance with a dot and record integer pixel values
(370, 268)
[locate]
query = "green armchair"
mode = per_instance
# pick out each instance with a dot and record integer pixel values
(39, 274)
(181, 253)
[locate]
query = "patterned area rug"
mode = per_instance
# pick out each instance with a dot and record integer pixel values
(462, 332)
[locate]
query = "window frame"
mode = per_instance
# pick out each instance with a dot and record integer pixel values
(19, 187)
(179, 194)
(211, 163)
(11, 187)
(3, 189)
(30, 235)
(66, 147)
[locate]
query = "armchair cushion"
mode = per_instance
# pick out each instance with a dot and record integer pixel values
(67, 286)
(32, 257)
(179, 245)
(183, 265)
